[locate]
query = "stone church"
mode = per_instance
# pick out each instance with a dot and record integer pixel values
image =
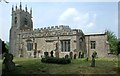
(62, 40)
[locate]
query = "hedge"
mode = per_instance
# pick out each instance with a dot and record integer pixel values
(56, 60)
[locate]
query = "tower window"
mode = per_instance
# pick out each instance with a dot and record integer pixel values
(15, 20)
(25, 21)
(93, 44)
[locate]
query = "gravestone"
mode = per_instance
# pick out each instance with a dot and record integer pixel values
(35, 53)
(51, 54)
(45, 54)
(8, 63)
(79, 55)
(66, 56)
(75, 56)
(71, 55)
(95, 54)
(82, 55)
(93, 61)
(57, 54)
(87, 59)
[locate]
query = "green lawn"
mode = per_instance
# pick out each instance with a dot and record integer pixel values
(78, 66)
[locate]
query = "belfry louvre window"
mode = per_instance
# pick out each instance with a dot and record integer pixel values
(65, 45)
(29, 46)
(25, 21)
(15, 20)
(93, 44)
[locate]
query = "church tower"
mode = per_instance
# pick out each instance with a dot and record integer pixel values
(21, 21)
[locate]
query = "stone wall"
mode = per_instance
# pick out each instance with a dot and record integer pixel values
(101, 44)
(47, 38)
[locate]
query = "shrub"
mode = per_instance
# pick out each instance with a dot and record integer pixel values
(56, 60)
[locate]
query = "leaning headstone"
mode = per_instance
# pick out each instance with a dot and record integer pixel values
(35, 54)
(95, 54)
(8, 63)
(45, 54)
(51, 54)
(93, 61)
(82, 55)
(75, 56)
(71, 55)
(57, 54)
(79, 55)
(87, 59)
(66, 56)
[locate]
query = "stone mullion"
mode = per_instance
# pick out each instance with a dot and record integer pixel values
(66, 45)
(63, 46)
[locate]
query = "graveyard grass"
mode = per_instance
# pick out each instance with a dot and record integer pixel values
(77, 66)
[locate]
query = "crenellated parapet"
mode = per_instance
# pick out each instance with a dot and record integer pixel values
(21, 10)
(51, 31)
(52, 28)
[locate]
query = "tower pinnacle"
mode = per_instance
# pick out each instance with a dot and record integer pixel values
(20, 6)
(26, 8)
(31, 11)
(16, 7)
(12, 8)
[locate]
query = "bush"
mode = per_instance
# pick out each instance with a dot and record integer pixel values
(56, 60)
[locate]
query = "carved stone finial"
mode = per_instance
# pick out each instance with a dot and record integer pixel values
(20, 6)
(26, 8)
(12, 8)
(16, 7)
(31, 11)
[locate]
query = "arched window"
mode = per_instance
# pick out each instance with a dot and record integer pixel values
(15, 20)
(26, 21)
(29, 46)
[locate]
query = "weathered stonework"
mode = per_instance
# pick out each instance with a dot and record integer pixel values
(28, 42)
(102, 46)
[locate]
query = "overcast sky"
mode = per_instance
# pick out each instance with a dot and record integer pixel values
(90, 17)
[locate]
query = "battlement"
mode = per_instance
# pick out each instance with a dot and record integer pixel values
(20, 9)
(52, 31)
(52, 28)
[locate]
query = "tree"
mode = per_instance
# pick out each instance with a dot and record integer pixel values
(7, 45)
(113, 41)
(118, 48)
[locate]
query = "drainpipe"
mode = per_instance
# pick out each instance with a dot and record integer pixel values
(88, 46)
